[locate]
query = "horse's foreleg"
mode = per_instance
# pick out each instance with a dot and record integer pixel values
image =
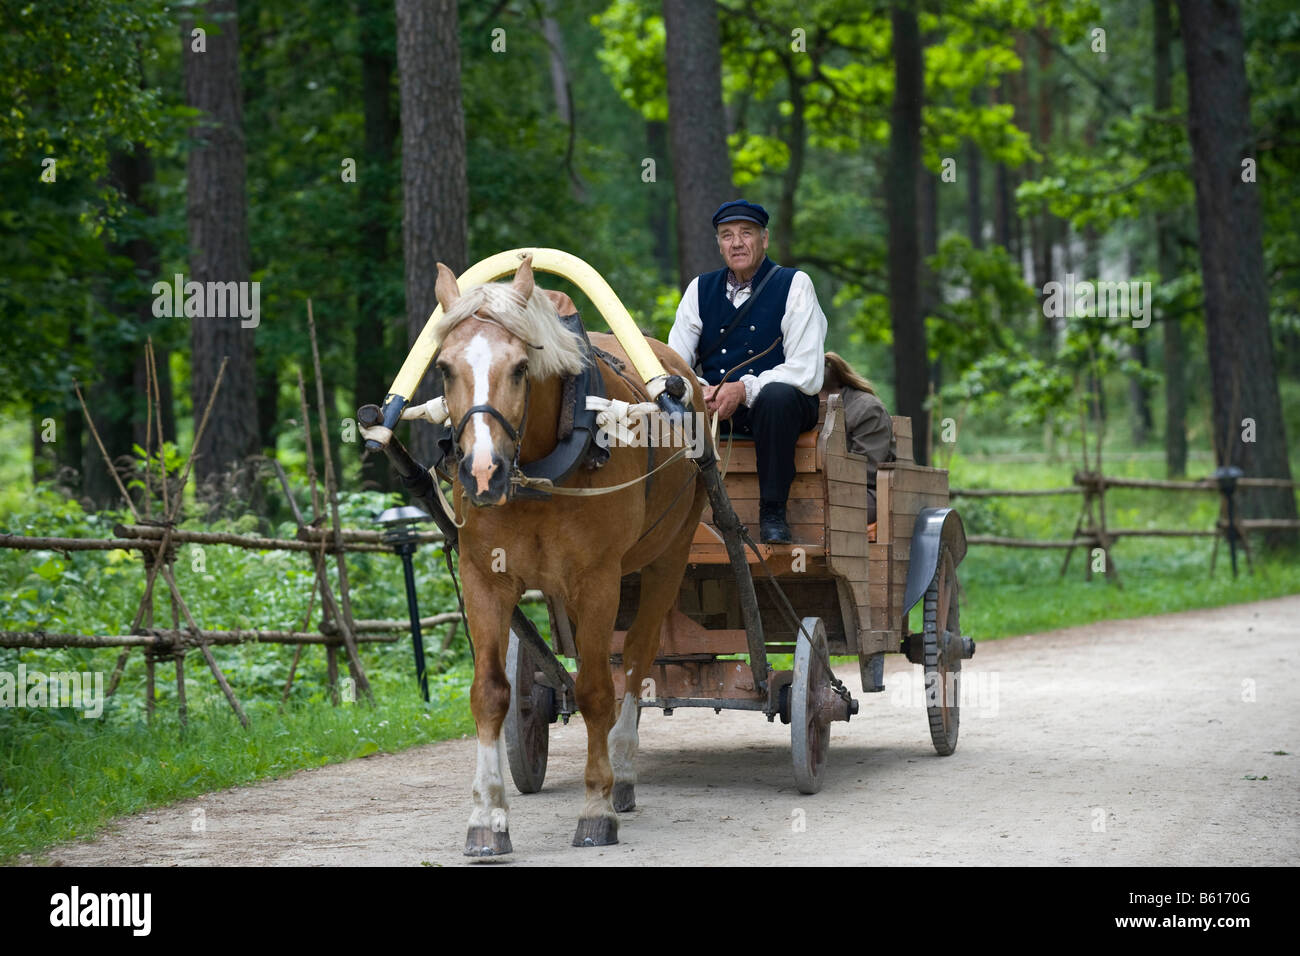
(488, 610)
(596, 610)
(660, 582)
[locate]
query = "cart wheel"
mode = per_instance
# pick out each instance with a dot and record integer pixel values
(528, 721)
(810, 732)
(942, 643)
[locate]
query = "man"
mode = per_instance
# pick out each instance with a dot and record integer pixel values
(725, 324)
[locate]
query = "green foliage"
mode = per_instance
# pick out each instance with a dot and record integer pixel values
(1141, 165)
(632, 55)
(80, 90)
(986, 301)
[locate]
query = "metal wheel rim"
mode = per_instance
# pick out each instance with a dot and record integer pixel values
(809, 736)
(942, 665)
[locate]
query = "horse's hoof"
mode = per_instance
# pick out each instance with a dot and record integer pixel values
(596, 831)
(484, 842)
(624, 797)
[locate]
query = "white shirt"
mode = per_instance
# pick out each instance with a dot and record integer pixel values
(803, 337)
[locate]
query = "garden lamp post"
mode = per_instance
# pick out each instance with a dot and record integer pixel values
(400, 534)
(1227, 478)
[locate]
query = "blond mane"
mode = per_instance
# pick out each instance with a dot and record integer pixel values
(558, 351)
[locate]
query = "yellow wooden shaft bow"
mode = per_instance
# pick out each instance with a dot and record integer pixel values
(557, 263)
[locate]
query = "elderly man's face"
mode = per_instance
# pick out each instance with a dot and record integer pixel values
(742, 245)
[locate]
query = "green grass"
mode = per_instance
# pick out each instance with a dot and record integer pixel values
(65, 776)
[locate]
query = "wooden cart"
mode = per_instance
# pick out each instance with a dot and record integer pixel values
(852, 588)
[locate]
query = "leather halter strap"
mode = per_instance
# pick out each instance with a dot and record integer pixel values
(491, 410)
(516, 434)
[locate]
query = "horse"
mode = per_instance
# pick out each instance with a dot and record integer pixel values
(503, 354)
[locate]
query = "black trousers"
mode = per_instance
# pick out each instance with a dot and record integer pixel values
(779, 415)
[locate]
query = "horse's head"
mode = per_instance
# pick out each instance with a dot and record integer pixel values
(494, 339)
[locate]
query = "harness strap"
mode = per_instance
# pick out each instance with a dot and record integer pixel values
(545, 484)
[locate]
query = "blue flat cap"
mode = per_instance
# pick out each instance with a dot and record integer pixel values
(740, 209)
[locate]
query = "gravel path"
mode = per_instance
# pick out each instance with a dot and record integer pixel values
(1145, 742)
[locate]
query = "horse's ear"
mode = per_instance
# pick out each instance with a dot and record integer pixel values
(446, 288)
(523, 283)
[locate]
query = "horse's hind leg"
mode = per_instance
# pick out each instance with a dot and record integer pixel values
(488, 613)
(660, 582)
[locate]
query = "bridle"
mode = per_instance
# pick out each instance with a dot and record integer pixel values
(516, 433)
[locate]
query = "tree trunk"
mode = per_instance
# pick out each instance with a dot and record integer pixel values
(374, 370)
(1242, 371)
(697, 129)
(911, 373)
(117, 400)
(134, 173)
(1018, 85)
(1045, 228)
(563, 92)
(435, 185)
(559, 69)
(45, 460)
(974, 199)
(1175, 349)
(1091, 269)
(1004, 214)
(71, 436)
(660, 212)
(1139, 395)
(217, 212)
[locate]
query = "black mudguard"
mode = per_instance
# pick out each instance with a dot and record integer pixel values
(934, 527)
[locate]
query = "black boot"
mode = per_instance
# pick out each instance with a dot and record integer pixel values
(772, 527)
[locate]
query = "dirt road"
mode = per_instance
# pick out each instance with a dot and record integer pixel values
(1146, 742)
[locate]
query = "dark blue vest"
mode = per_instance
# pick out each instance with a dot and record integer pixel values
(756, 331)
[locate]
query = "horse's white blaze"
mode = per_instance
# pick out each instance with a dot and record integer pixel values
(490, 806)
(623, 742)
(479, 355)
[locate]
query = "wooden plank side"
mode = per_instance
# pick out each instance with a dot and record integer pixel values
(830, 433)
(879, 641)
(844, 492)
(857, 618)
(910, 477)
(850, 468)
(877, 571)
(884, 502)
(848, 543)
(845, 518)
(805, 534)
(797, 511)
(743, 486)
(862, 592)
(903, 446)
(779, 557)
(744, 459)
(851, 567)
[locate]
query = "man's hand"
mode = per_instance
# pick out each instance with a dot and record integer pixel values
(724, 399)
